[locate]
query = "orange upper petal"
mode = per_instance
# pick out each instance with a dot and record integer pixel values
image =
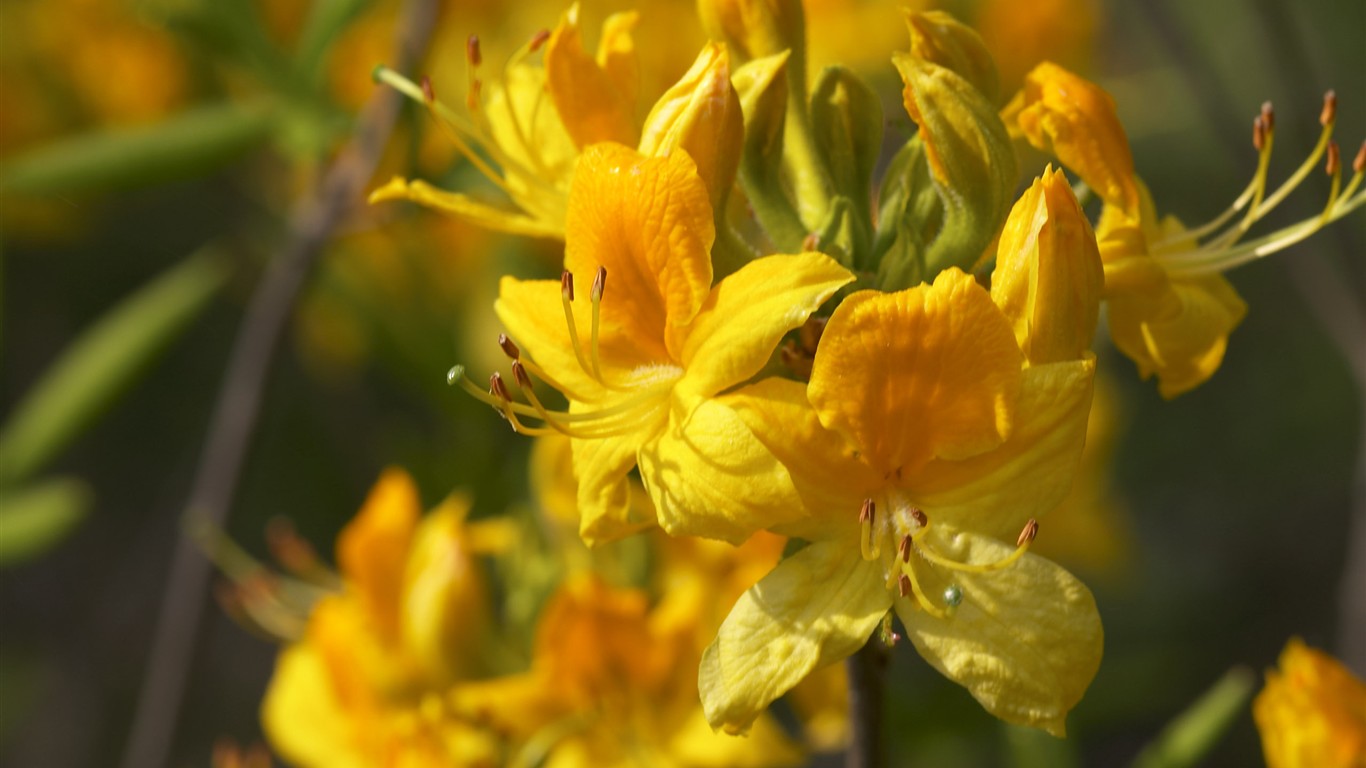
(587, 96)
(372, 550)
(933, 371)
(648, 220)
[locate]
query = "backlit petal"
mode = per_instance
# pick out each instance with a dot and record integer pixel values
(600, 468)
(747, 313)
(649, 223)
(817, 607)
(372, 549)
(932, 371)
(591, 105)
(1028, 475)
(1026, 640)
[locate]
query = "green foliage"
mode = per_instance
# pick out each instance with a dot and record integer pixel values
(96, 368)
(34, 518)
(1194, 733)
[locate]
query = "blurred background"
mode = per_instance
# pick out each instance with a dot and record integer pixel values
(151, 156)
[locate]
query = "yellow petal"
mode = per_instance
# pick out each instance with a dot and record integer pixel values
(695, 744)
(465, 207)
(1071, 118)
(1312, 712)
(938, 37)
(648, 221)
(932, 371)
(1028, 475)
(445, 606)
(710, 476)
(600, 468)
(1048, 277)
(1025, 641)
(700, 114)
(302, 717)
(591, 105)
(617, 54)
(817, 607)
(1177, 328)
(372, 550)
(827, 477)
(746, 315)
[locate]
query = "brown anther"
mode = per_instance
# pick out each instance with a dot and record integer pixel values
(1334, 162)
(567, 284)
(920, 518)
(867, 511)
(1027, 535)
(1269, 115)
(1359, 164)
(498, 388)
(904, 549)
(428, 93)
(289, 549)
(520, 375)
(903, 585)
(810, 333)
(508, 346)
(1330, 109)
(811, 242)
(1258, 133)
(472, 53)
(538, 40)
(599, 284)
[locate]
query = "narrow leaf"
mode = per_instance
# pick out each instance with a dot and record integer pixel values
(35, 518)
(1187, 739)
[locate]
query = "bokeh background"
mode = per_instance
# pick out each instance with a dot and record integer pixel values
(1211, 528)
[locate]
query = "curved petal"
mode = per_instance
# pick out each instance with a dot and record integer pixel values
(600, 468)
(747, 314)
(817, 607)
(302, 716)
(1025, 641)
(928, 372)
(467, 208)
(648, 221)
(1029, 474)
(827, 476)
(591, 105)
(709, 476)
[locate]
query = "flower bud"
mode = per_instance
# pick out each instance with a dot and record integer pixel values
(444, 597)
(701, 115)
(939, 37)
(1048, 277)
(755, 28)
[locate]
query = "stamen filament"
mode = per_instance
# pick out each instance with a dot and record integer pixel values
(920, 597)
(603, 418)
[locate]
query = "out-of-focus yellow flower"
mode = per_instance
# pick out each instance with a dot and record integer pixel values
(1312, 712)
(362, 685)
(641, 366)
(1170, 308)
(923, 440)
(612, 684)
(1021, 35)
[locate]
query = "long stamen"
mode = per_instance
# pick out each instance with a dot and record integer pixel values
(473, 58)
(595, 296)
(566, 301)
(1261, 141)
(924, 602)
(610, 421)
(869, 545)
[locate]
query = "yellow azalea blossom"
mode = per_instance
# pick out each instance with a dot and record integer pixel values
(358, 688)
(658, 340)
(611, 685)
(927, 440)
(533, 144)
(1312, 712)
(1170, 309)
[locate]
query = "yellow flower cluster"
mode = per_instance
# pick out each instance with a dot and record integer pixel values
(898, 380)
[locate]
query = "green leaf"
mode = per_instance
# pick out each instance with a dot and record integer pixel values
(95, 369)
(1187, 739)
(182, 146)
(35, 518)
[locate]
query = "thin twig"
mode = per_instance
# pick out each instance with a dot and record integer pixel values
(865, 670)
(239, 402)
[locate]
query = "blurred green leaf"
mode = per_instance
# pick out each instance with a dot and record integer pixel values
(181, 146)
(35, 518)
(1188, 738)
(327, 19)
(1033, 748)
(95, 369)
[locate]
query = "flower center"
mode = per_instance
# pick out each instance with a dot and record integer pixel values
(1183, 254)
(625, 405)
(897, 536)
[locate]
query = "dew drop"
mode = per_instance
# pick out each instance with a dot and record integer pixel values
(953, 595)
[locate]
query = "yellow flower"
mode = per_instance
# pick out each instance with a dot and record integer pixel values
(611, 685)
(1312, 712)
(361, 686)
(925, 440)
(659, 340)
(1170, 308)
